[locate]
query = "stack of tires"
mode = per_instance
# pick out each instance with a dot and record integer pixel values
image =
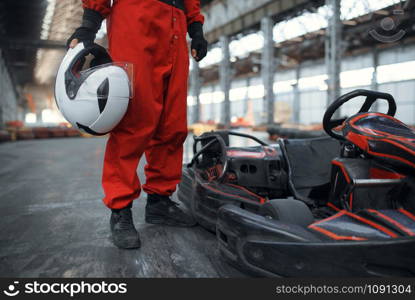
(25, 134)
(15, 130)
(4, 136)
(41, 132)
(57, 132)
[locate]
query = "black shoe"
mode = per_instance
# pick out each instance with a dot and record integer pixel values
(163, 211)
(124, 234)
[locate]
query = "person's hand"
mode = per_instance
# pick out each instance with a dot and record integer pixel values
(199, 44)
(81, 34)
(199, 48)
(91, 23)
(73, 43)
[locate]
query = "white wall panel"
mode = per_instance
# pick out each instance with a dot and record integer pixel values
(313, 98)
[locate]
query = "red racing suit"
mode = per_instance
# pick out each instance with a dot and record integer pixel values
(152, 35)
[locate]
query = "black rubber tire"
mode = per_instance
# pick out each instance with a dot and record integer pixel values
(289, 210)
(185, 189)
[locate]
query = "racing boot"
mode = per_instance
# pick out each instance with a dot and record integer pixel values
(163, 211)
(124, 234)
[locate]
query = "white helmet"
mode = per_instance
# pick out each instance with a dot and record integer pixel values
(94, 100)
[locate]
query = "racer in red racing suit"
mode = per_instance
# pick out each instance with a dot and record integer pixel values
(151, 34)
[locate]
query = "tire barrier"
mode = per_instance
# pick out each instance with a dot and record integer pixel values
(15, 130)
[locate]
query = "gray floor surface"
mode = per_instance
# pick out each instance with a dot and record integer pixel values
(53, 223)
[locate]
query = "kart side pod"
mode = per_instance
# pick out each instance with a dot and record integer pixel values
(271, 248)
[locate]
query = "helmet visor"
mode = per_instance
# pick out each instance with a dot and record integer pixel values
(117, 74)
(89, 72)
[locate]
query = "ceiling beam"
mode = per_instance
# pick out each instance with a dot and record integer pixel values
(235, 16)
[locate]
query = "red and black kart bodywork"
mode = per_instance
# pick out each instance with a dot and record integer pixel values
(359, 217)
(220, 175)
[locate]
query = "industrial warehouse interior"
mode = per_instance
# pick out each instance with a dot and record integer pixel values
(274, 69)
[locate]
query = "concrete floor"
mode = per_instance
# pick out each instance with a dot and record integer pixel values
(53, 223)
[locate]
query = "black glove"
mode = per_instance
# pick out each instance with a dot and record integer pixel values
(91, 23)
(199, 43)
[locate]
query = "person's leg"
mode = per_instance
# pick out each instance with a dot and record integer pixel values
(134, 30)
(134, 37)
(164, 153)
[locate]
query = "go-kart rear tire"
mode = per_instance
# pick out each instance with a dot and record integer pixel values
(288, 211)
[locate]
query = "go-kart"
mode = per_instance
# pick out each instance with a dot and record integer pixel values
(341, 205)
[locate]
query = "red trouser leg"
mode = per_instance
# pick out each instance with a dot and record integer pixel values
(152, 35)
(165, 152)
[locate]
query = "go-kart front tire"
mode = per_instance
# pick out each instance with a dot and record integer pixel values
(185, 190)
(288, 210)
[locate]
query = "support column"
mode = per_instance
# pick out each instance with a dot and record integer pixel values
(213, 106)
(2, 125)
(38, 113)
(296, 92)
(267, 68)
(375, 85)
(375, 63)
(246, 100)
(225, 80)
(333, 50)
(195, 86)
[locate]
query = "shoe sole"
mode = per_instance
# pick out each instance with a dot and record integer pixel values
(128, 244)
(129, 247)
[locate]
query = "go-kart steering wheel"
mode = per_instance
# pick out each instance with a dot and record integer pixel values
(371, 97)
(222, 157)
(212, 140)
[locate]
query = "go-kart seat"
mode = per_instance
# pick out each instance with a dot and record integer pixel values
(383, 137)
(308, 163)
